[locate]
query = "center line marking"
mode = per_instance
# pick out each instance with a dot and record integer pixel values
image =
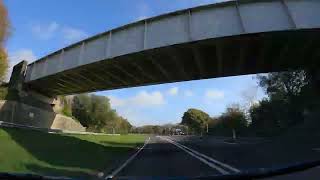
(127, 161)
(205, 159)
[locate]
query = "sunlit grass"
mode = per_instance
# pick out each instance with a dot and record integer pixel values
(24, 151)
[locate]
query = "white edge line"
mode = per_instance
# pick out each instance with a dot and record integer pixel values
(115, 172)
(222, 171)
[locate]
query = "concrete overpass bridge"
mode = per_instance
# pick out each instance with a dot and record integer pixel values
(218, 40)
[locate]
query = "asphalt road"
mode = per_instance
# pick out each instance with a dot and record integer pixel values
(162, 158)
(190, 156)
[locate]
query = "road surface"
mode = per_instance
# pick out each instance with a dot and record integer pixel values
(192, 156)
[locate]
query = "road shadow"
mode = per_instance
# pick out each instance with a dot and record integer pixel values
(67, 152)
(116, 144)
(20, 105)
(25, 115)
(51, 171)
(24, 110)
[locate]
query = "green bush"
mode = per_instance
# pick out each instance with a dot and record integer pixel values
(3, 93)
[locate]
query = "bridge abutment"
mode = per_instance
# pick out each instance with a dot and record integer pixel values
(26, 107)
(17, 91)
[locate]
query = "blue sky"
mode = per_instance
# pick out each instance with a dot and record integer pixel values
(40, 27)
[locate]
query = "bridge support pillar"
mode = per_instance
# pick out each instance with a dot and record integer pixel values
(25, 107)
(17, 91)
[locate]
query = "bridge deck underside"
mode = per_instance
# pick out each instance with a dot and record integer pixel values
(229, 56)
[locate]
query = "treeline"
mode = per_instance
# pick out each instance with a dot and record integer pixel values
(95, 113)
(230, 122)
(293, 99)
(168, 129)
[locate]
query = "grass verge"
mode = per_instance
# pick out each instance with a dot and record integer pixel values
(26, 151)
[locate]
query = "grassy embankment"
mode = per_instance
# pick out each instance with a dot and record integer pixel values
(25, 151)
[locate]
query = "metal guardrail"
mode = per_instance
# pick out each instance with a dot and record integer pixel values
(13, 125)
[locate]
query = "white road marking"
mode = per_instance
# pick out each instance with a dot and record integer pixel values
(199, 155)
(316, 149)
(230, 143)
(213, 160)
(222, 171)
(115, 172)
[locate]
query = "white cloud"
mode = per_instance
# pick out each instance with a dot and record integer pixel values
(18, 56)
(45, 31)
(142, 99)
(134, 107)
(173, 91)
(213, 94)
(116, 102)
(188, 93)
(72, 34)
(54, 30)
(148, 99)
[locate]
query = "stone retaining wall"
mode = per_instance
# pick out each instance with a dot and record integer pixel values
(18, 113)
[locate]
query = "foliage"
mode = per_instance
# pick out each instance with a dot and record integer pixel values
(67, 109)
(4, 31)
(167, 129)
(196, 120)
(148, 129)
(4, 23)
(3, 93)
(95, 113)
(267, 117)
(3, 65)
(283, 85)
(291, 95)
(234, 117)
(293, 98)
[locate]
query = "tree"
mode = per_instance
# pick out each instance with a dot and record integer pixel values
(234, 118)
(81, 109)
(290, 95)
(283, 85)
(286, 91)
(249, 98)
(4, 32)
(123, 126)
(95, 113)
(196, 120)
(67, 106)
(267, 117)
(4, 23)
(3, 65)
